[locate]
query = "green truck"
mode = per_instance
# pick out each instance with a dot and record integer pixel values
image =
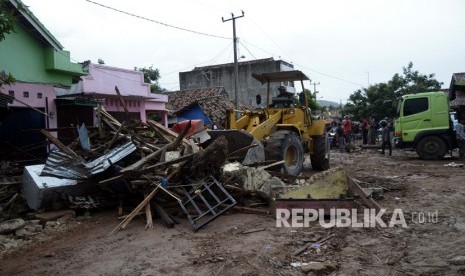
(424, 124)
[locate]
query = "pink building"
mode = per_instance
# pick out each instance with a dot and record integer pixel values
(77, 105)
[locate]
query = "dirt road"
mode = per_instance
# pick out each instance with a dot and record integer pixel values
(430, 195)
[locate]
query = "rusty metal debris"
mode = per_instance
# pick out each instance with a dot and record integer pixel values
(205, 201)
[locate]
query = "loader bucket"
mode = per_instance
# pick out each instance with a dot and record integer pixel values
(238, 140)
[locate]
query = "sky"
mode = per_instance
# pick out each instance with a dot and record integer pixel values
(342, 45)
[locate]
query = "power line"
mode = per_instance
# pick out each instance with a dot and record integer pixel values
(123, 78)
(268, 52)
(155, 21)
(200, 33)
(330, 76)
(247, 50)
(197, 64)
(303, 66)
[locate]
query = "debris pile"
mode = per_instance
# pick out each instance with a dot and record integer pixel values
(161, 172)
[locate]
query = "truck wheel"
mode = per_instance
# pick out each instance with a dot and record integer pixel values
(320, 155)
(431, 148)
(285, 145)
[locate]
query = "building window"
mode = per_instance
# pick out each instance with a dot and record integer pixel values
(39, 95)
(11, 93)
(25, 94)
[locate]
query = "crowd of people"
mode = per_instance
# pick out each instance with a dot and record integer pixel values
(371, 131)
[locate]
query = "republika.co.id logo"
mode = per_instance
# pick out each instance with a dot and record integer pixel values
(339, 217)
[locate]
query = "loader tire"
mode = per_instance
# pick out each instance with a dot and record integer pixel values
(285, 145)
(320, 156)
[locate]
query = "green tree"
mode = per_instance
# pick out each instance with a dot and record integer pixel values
(379, 99)
(152, 76)
(7, 20)
(311, 100)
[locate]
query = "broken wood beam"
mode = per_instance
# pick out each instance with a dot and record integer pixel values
(168, 132)
(134, 213)
(241, 150)
(125, 216)
(148, 215)
(121, 100)
(108, 116)
(364, 197)
(113, 140)
(247, 210)
(273, 164)
(170, 146)
(253, 230)
(162, 164)
(169, 222)
(60, 145)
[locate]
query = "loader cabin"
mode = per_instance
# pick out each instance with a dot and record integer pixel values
(284, 76)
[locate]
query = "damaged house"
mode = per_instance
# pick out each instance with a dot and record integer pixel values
(51, 92)
(77, 105)
(39, 64)
(206, 104)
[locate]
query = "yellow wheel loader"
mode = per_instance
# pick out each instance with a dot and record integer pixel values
(283, 130)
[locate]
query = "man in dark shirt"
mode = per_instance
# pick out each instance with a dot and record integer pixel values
(340, 137)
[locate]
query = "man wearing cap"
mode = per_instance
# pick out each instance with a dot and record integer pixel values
(283, 94)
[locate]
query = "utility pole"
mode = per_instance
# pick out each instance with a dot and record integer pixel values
(314, 88)
(236, 66)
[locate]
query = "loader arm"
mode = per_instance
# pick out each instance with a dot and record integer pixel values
(259, 131)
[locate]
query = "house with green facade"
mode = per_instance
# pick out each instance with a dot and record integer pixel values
(38, 62)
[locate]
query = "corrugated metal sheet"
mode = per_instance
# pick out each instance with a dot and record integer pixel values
(60, 164)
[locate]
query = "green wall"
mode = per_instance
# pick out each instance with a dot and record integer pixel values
(29, 59)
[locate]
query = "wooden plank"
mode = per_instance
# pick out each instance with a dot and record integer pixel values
(164, 130)
(247, 210)
(241, 150)
(170, 146)
(33, 108)
(60, 145)
(164, 215)
(178, 160)
(107, 115)
(273, 164)
(364, 197)
(136, 211)
(113, 140)
(148, 216)
(121, 100)
(254, 230)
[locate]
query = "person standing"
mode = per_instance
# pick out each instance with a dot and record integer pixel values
(372, 131)
(460, 133)
(340, 137)
(347, 125)
(386, 136)
(364, 127)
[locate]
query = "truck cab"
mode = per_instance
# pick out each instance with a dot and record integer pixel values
(424, 124)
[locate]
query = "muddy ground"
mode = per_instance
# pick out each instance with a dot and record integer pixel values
(427, 246)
